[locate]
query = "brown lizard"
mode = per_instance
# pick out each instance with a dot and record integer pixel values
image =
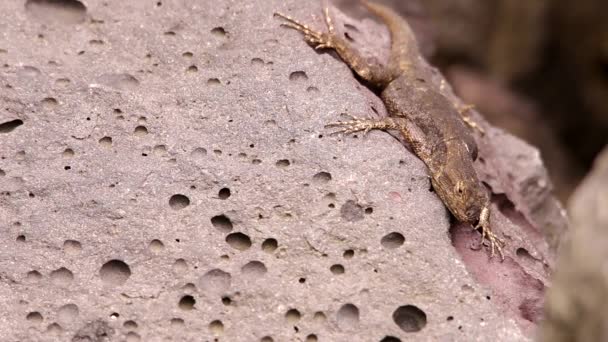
(436, 131)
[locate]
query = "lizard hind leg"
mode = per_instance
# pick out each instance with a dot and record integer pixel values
(318, 39)
(311, 36)
(496, 244)
(305, 29)
(373, 72)
(365, 125)
(330, 25)
(462, 110)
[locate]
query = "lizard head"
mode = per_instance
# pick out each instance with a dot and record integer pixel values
(465, 198)
(474, 199)
(457, 185)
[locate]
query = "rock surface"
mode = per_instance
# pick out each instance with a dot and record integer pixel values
(165, 174)
(578, 301)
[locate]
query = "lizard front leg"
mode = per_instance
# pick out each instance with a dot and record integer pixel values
(486, 233)
(411, 133)
(366, 125)
(374, 73)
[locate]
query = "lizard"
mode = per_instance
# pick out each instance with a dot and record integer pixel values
(431, 125)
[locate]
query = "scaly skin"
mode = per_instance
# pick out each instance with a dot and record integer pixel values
(428, 121)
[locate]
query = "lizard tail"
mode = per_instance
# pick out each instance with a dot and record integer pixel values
(404, 45)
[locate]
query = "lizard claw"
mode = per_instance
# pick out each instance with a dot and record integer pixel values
(319, 40)
(496, 244)
(462, 110)
(355, 125)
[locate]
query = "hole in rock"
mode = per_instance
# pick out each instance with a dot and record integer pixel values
(283, 163)
(9, 126)
(409, 318)
(34, 317)
(224, 193)
(66, 314)
(292, 316)
(221, 223)
(218, 31)
(238, 241)
(337, 269)
(177, 322)
(392, 240)
(348, 317)
(390, 339)
(254, 269)
(215, 281)
(180, 266)
(179, 201)
(298, 76)
(270, 245)
(130, 324)
(216, 327)
(72, 247)
(62, 276)
(186, 303)
(105, 142)
(140, 131)
(322, 177)
(115, 272)
(56, 11)
(156, 246)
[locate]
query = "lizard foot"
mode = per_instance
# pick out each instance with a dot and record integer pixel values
(496, 244)
(468, 120)
(355, 125)
(320, 40)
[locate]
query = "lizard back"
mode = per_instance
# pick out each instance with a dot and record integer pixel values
(441, 139)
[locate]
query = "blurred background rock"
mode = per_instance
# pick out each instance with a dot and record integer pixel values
(538, 69)
(577, 302)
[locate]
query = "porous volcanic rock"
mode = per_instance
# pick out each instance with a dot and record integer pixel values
(165, 174)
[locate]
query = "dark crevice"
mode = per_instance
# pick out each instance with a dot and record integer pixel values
(9, 126)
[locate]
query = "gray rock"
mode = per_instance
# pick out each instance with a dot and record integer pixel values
(153, 130)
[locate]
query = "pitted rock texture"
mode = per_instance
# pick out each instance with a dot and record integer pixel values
(165, 174)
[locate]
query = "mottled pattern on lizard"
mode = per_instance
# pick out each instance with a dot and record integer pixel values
(436, 131)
